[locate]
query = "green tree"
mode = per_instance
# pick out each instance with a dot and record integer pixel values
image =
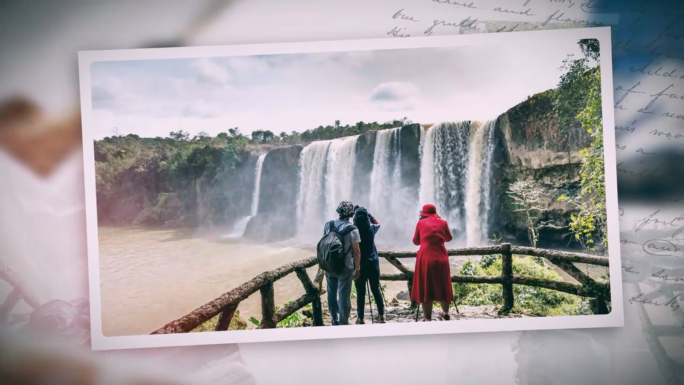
(589, 225)
(591, 49)
(180, 136)
(572, 94)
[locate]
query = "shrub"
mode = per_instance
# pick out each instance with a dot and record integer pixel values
(541, 301)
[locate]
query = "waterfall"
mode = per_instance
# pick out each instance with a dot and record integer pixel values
(390, 202)
(339, 176)
(241, 225)
(477, 200)
(257, 185)
(444, 172)
(311, 202)
(456, 175)
(455, 166)
(488, 171)
(386, 173)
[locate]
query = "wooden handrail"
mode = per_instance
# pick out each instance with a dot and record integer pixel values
(515, 250)
(211, 309)
(227, 304)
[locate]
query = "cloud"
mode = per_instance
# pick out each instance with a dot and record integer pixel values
(394, 92)
(210, 72)
(200, 109)
(395, 96)
(100, 95)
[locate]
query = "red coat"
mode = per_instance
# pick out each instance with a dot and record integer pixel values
(432, 277)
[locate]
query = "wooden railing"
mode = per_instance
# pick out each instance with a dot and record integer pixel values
(226, 305)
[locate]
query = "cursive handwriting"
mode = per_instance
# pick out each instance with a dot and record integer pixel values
(645, 71)
(672, 115)
(657, 96)
(651, 219)
(470, 5)
(642, 151)
(660, 247)
(402, 16)
(620, 147)
(396, 32)
(618, 103)
(524, 13)
(665, 277)
(630, 269)
(666, 134)
(591, 6)
(673, 199)
(672, 303)
(503, 29)
(623, 45)
(558, 17)
(629, 128)
(571, 3)
(467, 23)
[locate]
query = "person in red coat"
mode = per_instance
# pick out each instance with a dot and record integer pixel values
(432, 277)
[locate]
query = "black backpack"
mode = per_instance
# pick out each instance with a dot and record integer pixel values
(330, 250)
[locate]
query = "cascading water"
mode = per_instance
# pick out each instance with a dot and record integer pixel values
(241, 225)
(487, 175)
(443, 170)
(477, 200)
(388, 199)
(311, 201)
(257, 185)
(340, 173)
(455, 175)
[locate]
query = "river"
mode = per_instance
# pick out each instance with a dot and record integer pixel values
(152, 277)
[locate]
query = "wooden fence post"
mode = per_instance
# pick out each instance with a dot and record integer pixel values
(598, 305)
(507, 277)
(225, 317)
(312, 290)
(267, 306)
(409, 283)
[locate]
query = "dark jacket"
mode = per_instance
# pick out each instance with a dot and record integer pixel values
(368, 226)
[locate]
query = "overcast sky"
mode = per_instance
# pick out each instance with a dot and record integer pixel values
(297, 92)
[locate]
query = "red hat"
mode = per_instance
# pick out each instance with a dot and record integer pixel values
(429, 210)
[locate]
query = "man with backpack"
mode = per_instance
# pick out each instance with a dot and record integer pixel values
(339, 256)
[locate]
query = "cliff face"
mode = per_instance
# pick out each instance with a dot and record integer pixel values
(365, 148)
(216, 200)
(531, 145)
(410, 160)
(279, 184)
(533, 138)
(277, 196)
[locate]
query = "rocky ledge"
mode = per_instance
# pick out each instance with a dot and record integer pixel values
(401, 312)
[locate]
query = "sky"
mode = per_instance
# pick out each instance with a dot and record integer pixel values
(296, 92)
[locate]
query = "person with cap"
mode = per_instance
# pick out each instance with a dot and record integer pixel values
(340, 284)
(432, 276)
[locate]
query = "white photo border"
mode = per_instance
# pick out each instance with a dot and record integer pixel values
(615, 319)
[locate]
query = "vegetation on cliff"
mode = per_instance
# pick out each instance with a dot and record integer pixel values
(152, 180)
(323, 132)
(575, 103)
(157, 180)
(589, 225)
